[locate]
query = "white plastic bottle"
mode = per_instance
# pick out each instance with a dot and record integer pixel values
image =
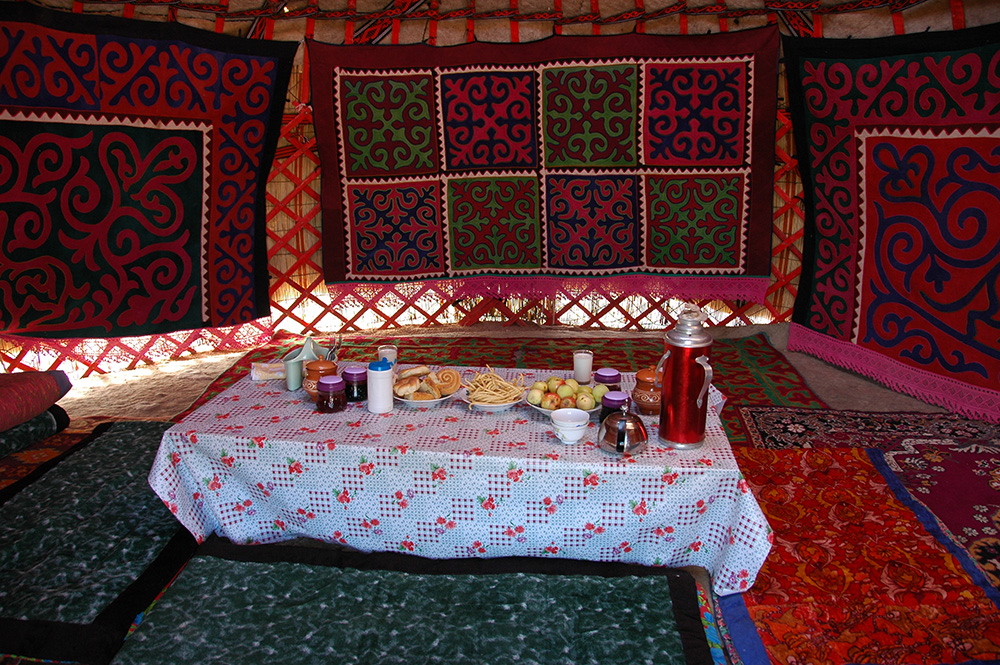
(380, 381)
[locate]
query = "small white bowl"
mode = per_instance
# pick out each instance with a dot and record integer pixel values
(570, 424)
(569, 418)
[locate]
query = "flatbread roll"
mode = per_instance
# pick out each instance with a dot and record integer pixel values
(406, 387)
(419, 370)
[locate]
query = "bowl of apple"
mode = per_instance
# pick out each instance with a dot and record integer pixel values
(558, 393)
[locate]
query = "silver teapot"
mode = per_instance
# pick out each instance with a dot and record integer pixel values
(623, 433)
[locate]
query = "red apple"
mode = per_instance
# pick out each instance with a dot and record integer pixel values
(550, 401)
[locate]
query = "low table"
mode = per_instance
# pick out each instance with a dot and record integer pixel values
(257, 464)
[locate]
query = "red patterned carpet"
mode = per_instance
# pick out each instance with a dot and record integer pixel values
(854, 577)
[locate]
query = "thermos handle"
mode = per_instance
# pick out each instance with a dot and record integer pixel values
(703, 361)
(659, 369)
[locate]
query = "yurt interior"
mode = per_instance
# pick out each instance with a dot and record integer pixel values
(500, 331)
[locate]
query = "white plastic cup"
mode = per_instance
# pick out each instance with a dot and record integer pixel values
(583, 365)
(380, 382)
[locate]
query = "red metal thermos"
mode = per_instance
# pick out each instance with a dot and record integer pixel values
(687, 375)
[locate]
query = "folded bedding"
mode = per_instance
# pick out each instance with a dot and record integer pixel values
(28, 409)
(299, 604)
(85, 547)
(51, 421)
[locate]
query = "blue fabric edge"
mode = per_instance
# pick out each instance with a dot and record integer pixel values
(930, 523)
(742, 630)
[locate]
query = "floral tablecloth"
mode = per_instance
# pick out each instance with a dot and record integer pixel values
(257, 464)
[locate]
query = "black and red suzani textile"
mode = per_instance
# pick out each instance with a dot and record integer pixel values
(133, 162)
(899, 149)
(646, 160)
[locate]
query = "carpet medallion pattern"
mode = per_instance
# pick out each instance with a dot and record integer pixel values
(937, 473)
(780, 427)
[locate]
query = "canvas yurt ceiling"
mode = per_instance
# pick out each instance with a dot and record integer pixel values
(372, 19)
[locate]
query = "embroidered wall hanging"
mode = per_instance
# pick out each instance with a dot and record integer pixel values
(899, 149)
(133, 161)
(647, 160)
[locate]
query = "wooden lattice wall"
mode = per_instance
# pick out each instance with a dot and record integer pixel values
(300, 301)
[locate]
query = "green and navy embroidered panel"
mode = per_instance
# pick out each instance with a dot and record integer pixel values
(631, 155)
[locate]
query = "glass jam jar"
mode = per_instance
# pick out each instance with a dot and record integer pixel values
(330, 394)
(612, 378)
(355, 383)
(612, 402)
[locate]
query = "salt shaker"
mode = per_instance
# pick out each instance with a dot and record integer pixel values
(380, 386)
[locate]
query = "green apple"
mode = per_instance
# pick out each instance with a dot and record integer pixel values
(540, 385)
(585, 401)
(584, 390)
(599, 391)
(535, 396)
(553, 383)
(565, 390)
(573, 382)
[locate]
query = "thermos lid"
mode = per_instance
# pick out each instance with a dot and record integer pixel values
(607, 375)
(380, 366)
(614, 399)
(354, 373)
(331, 382)
(689, 330)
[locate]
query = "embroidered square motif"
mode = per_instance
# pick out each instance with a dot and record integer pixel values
(489, 120)
(593, 221)
(494, 223)
(388, 125)
(395, 228)
(590, 116)
(695, 113)
(694, 220)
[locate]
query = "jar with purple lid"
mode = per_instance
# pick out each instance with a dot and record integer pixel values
(612, 402)
(612, 378)
(330, 395)
(355, 383)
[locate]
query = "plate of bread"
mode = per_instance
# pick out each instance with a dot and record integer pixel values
(421, 386)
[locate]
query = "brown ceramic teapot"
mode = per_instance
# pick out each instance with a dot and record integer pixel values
(647, 394)
(314, 370)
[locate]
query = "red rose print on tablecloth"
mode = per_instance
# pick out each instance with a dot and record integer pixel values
(516, 532)
(344, 497)
(489, 504)
(640, 508)
(665, 533)
(214, 484)
(402, 500)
